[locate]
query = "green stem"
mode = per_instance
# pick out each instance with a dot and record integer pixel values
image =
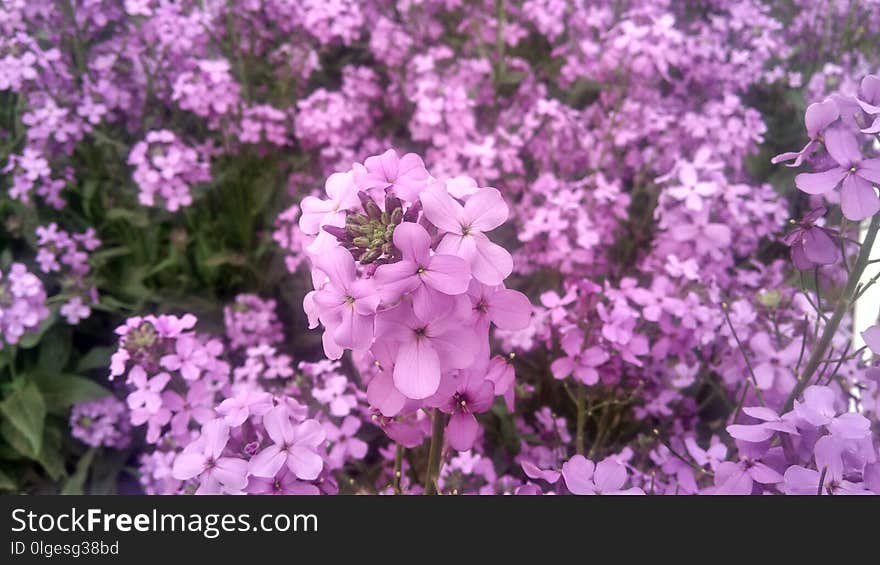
(398, 465)
(501, 17)
(580, 401)
(434, 459)
(843, 303)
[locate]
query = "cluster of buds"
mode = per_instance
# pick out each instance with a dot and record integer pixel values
(368, 234)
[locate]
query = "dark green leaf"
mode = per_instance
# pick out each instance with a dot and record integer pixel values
(25, 410)
(62, 390)
(55, 350)
(74, 483)
(49, 455)
(7, 483)
(96, 358)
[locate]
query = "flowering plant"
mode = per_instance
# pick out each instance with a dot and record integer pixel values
(505, 246)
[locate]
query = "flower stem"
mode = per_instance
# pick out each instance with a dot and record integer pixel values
(398, 465)
(580, 402)
(434, 459)
(844, 301)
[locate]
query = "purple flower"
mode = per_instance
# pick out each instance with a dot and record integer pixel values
(582, 476)
(189, 358)
(285, 483)
(204, 459)
(347, 304)
(771, 423)
(293, 446)
(738, 478)
(802, 481)
(430, 278)
(424, 349)
(532, 471)
(857, 197)
(817, 118)
(246, 403)
(465, 228)
(473, 395)
(405, 176)
(811, 245)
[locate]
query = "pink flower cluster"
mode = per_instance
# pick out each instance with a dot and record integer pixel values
(252, 321)
(845, 127)
(22, 303)
(101, 423)
(165, 167)
(68, 256)
(406, 277)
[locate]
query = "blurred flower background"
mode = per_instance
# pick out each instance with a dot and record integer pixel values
(395, 247)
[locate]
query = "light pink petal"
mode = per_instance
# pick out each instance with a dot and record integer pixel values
(331, 349)
(382, 395)
(763, 474)
(354, 331)
(869, 169)
(441, 209)
(268, 462)
(231, 472)
(304, 463)
(216, 434)
(578, 475)
(819, 116)
(309, 433)
(339, 265)
(562, 367)
(731, 479)
(342, 191)
(447, 274)
(491, 263)
(393, 280)
(486, 210)
(850, 426)
(417, 369)
(843, 147)
(751, 434)
(188, 465)
(278, 426)
(461, 432)
(313, 212)
(820, 183)
(509, 309)
(534, 472)
(858, 199)
(456, 346)
(799, 480)
(761, 413)
(428, 304)
(413, 241)
(610, 475)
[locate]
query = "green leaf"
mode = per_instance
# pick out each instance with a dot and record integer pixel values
(7, 483)
(25, 410)
(96, 358)
(74, 483)
(55, 350)
(137, 219)
(62, 390)
(110, 253)
(49, 455)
